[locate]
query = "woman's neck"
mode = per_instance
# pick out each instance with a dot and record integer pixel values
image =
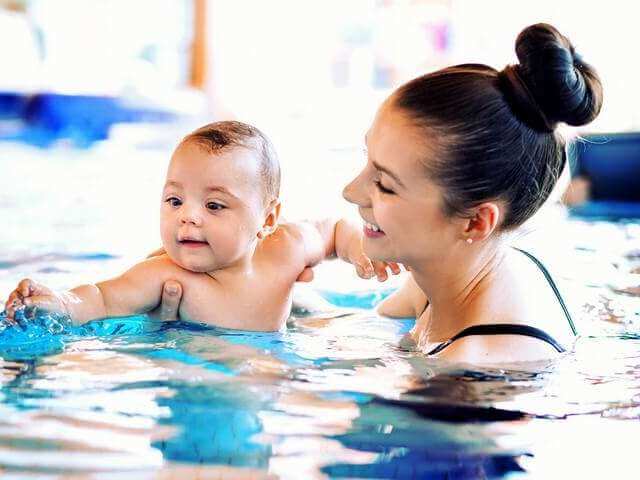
(454, 286)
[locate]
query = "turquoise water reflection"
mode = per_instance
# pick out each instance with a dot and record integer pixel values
(334, 397)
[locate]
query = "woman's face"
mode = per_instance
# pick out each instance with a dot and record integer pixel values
(401, 207)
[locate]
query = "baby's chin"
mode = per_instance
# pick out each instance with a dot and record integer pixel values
(191, 266)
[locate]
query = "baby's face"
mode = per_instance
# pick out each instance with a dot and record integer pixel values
(211, 208)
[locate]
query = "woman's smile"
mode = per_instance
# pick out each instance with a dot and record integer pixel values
(372, 231)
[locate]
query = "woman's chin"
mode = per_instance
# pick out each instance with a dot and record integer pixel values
(374, 253)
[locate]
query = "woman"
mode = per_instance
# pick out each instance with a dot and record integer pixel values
(458, 159)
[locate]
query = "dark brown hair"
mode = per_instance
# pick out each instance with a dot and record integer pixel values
(218, 136)
(495, 132)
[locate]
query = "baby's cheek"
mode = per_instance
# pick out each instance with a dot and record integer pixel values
(240, 230)
(167, 242)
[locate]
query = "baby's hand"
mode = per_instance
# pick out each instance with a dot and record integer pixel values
(31, 294)
(367, 268)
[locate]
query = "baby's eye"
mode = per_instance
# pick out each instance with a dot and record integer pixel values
(174, 201)
(382, 188)
(215, 206)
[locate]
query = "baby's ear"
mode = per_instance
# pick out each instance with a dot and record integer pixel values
(272, 214)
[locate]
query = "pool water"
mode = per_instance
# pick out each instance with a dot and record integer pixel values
(333, 396)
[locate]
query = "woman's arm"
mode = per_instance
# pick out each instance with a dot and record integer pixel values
(408, 301)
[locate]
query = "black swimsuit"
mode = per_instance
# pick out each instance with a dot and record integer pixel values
(514, 329)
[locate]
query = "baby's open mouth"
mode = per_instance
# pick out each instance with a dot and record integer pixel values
(188, 242)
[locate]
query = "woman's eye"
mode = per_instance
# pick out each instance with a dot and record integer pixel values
(382, 188)
(173, 201)
(215, 206)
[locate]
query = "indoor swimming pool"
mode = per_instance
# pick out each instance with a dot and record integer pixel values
(333, 396)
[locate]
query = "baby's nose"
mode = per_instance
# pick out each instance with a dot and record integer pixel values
(190, 217)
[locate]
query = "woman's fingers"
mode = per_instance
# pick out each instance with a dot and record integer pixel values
(381, 271)
(171, 297)
(368, 269)
(364, 267)
(306, 275)
(394, 267)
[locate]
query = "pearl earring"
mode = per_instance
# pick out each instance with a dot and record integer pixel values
(469, 241)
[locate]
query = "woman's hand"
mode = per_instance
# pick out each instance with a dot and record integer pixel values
(306, 276)
(170, 303)
(367, 268)
(171, 295)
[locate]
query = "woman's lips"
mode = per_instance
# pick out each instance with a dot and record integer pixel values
(369, 232)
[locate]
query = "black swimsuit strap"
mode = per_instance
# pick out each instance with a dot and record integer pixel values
(552, 284)
(554, 287)
(500, 329)
(515, 329)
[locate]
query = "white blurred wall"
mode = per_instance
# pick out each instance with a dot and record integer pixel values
(19, 54)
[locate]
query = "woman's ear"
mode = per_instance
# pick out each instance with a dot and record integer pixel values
(484, 220)
(272, 215)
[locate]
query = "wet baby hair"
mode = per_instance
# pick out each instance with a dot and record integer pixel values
(218, 136)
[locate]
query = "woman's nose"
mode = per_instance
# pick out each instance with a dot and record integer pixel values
(355, 192)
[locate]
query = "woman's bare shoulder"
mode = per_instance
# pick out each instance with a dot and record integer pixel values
(408, 301)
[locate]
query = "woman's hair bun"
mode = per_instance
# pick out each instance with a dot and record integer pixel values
(551, 83)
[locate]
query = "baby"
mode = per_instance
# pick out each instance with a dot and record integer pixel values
(221, 240)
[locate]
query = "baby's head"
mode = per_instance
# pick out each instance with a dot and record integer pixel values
(220, 196)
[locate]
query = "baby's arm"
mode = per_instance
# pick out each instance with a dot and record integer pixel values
(136, 291)
(328, 238)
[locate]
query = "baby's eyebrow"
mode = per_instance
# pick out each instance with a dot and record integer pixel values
(171, 183)
(220, 189)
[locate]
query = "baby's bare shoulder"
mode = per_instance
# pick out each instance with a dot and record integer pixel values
(286, 239)
(282, 250)
(162, 268)
(159, 265)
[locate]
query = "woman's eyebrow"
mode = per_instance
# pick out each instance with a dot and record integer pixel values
(388, 172)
